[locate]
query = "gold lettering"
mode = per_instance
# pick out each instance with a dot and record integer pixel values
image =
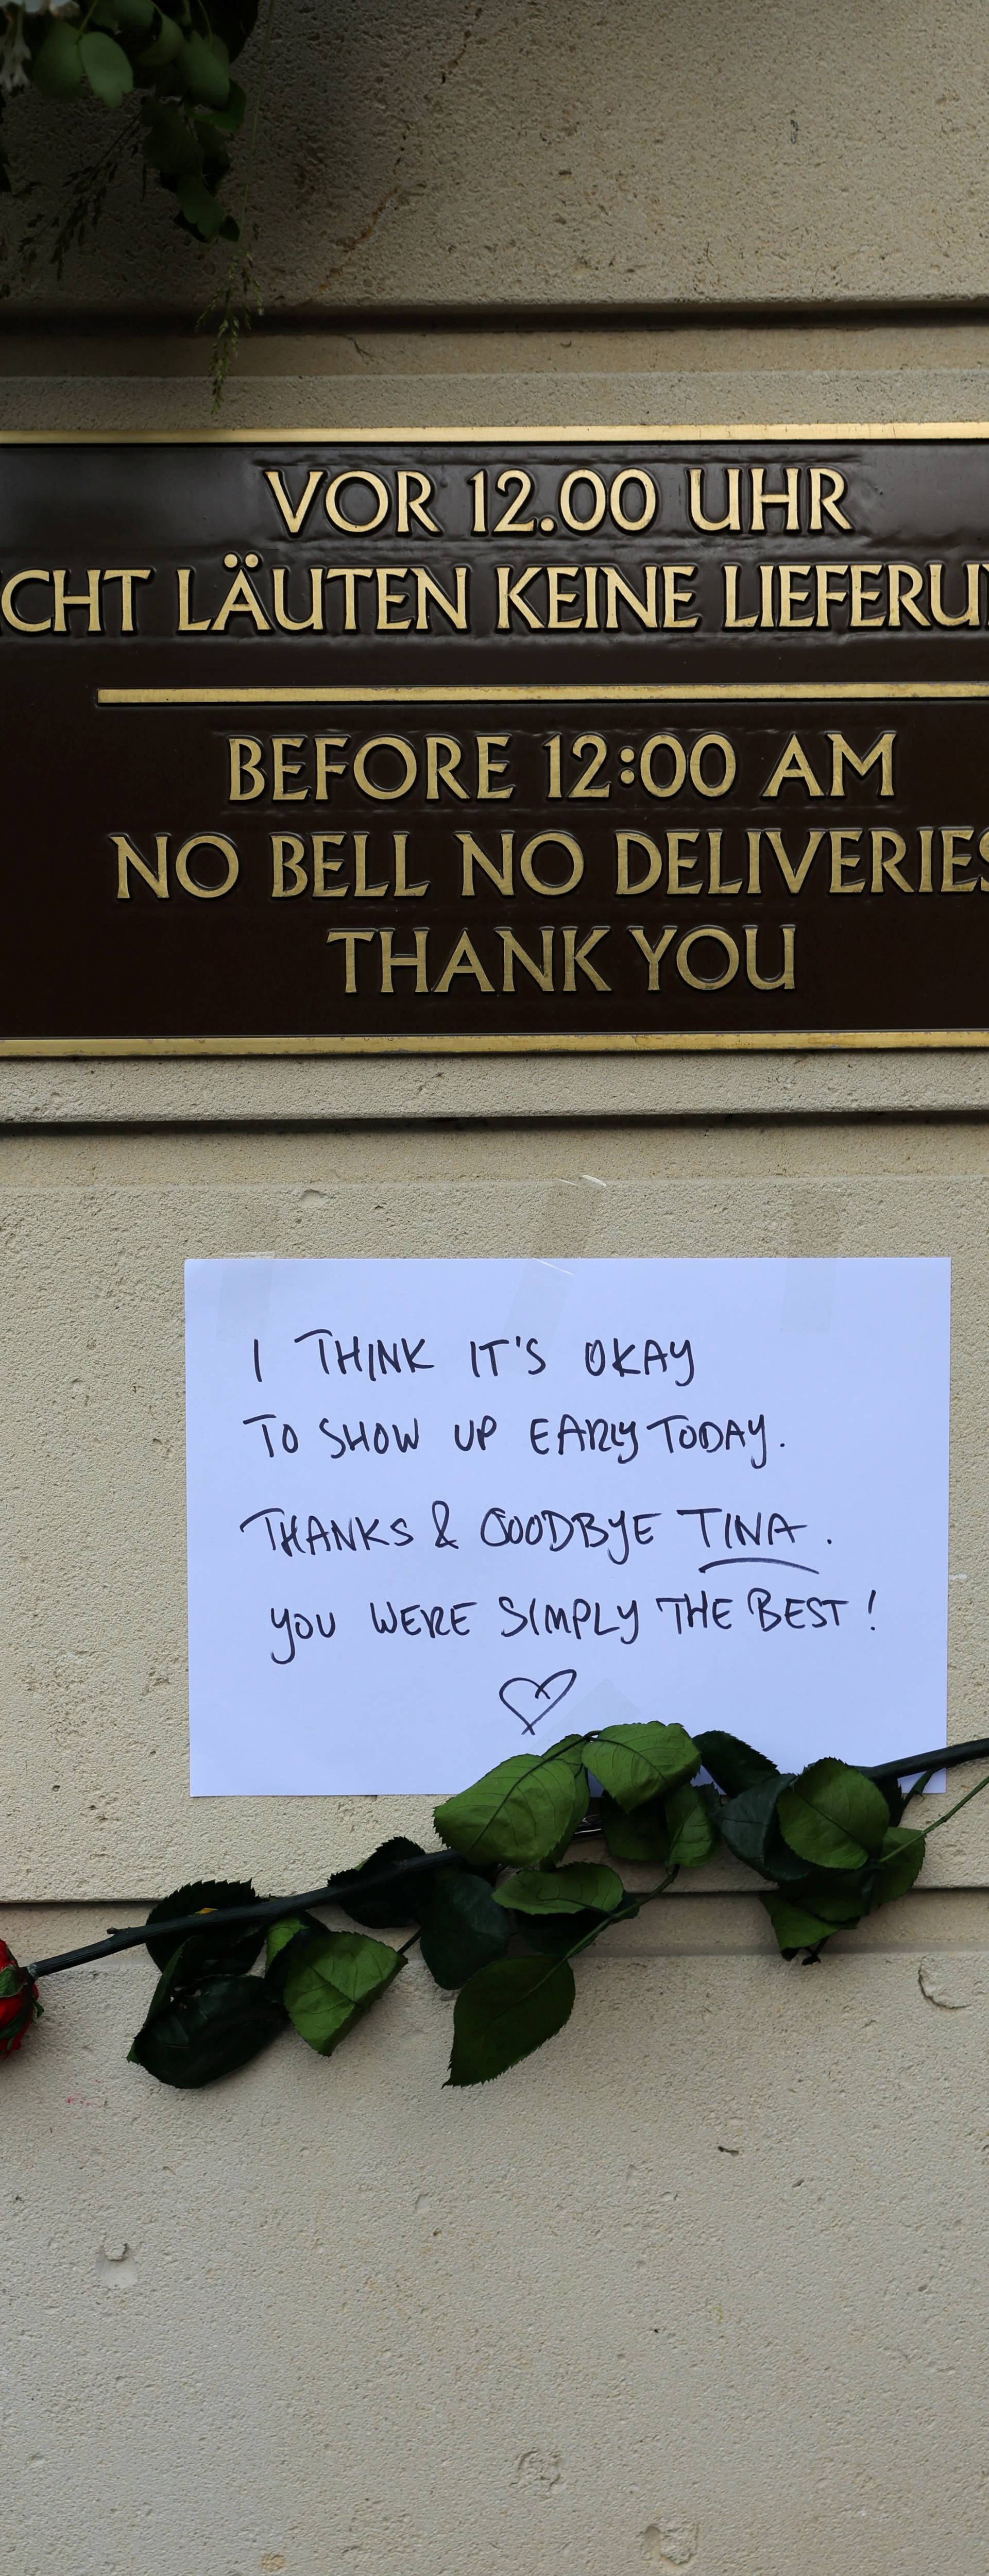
(474, 857)
(866, 581)
(414, 502)
(401, 844)
(385, 742)
(677, 882)
(322, 866)
(616, 587)
(387, 599)
(513, 950)
(356, 527)
(653, 954)
(793, 763)
(128, 857)
(674, 596)
(488, 768)
(763, 501)
(822, 500)
(283, 769)
(245, 766)
(350, 575)
(695, 483)
(625, 843)
(882, 750)
(888, 867)
(708, 983)
(349, 939)
(839, 862)
(952, 858)
(732, 618)
(969, 615)
(328, 768)
(417, 960)
(88, 598)
(464, 960)
(561, 594)
(207, 841)
(241, 601)
(24, 625)
(905, 586)
(824, 575)
(554, 840)
(574, 957)
(790, 597)
(298, 625)
(293, 518)
(427, 589)
(443, 755)
(511, 595)
(784, 981)
(287, 851)
(361, 886)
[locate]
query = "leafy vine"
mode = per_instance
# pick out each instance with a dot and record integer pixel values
(498, 1909)
(164, 75)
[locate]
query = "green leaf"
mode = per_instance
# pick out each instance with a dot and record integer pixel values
(464, 1928)
(106, 68)
(901, 1859)
(334, 1979)
(562, 1891)
(129, 14)
(229, 119)
(634, 1763)
(280, 1949)
(205, 72)
(638, 1837)
(230, 1950)
(804, 1916)
(692, 1831)
(505, 2013)
(165, 45)
(57, 65)
(405, 1901)
(169, 143)
(196, 2038)
(201, 209)
(522, 1810)
(734, 1765)
(750, 1830)
(832, 1815)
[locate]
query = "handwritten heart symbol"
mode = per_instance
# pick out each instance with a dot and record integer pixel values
(538, 1697)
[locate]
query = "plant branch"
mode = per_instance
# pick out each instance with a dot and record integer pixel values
(272, 1909)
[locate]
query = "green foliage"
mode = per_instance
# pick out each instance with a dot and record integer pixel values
(463, 1929)
(505, 2013)
(195, 2032)
(822, 1844)
(734, 1765)
(165, 73)
(523, 1810)
(833, 1815)
(578, 1888)
(636, 1763)
(333, 1979)
(231, 1950)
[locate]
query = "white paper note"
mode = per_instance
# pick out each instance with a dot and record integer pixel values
(443, 1511)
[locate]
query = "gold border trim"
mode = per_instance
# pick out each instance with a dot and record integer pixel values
(619, 1042)
(665, 433)
(553, 693)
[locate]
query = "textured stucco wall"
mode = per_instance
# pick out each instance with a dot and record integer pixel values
(702, 2286)
(561, 152)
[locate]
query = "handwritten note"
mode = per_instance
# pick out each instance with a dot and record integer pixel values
(442, 1511)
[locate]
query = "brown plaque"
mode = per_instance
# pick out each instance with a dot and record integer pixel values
(492, 740)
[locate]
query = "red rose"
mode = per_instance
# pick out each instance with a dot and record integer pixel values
(19, 2005)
